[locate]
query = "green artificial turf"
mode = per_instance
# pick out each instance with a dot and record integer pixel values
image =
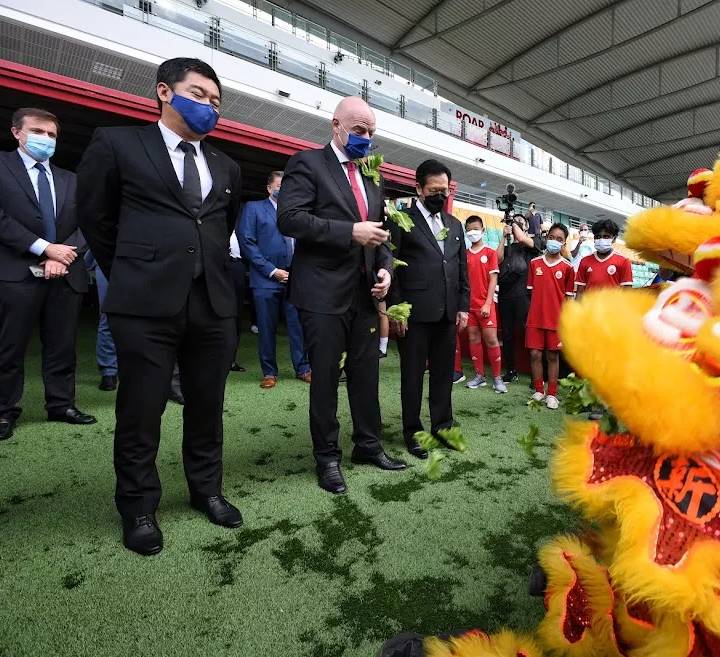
(309, 574)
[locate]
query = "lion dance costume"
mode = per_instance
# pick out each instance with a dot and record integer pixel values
(646, 582)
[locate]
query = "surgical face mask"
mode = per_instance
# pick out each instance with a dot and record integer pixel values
(40, 147)
(199, 117)
(434, 202)
(356, 146)
(584, 232)
(275, 194)
(603, 245)
(474, 235)
(553, 247)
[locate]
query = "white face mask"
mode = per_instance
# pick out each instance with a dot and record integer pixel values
(475, 235)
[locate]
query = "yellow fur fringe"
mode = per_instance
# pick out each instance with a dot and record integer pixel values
(503, 644)
(598, 640)
(712, 190)
(662, 400)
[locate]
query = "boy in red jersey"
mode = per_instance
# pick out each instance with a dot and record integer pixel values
(605, 267)
(482, 268)
(551, 278)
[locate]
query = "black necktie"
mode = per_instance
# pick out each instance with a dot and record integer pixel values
(191, 178)
(47, 207)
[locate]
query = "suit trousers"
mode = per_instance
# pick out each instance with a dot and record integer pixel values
(268, 302)
(513, 317)
(431, 343)
(327, 337)
(55, 306)
(147, 348)
(239, 274)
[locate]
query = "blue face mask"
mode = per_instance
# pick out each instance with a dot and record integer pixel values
(356, 147)
(553, 247)
(603, 245)
(199, 117)
(275, 194)
(40, 147)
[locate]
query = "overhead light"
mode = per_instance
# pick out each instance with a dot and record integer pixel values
(378, 82)
(338, 57)
(284, 94)
(479, 160)
(583, 195)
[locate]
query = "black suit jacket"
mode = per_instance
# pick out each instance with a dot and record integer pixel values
(140, 229)
(21, 221)
(317, 208)
(435, 283)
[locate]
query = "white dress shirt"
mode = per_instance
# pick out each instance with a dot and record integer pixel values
(177, 157)
(39, 245)
(434, 221)
(234, 246)
(343, 158)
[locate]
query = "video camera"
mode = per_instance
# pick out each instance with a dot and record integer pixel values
(506, 203)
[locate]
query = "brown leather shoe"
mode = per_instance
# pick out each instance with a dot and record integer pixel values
(307, 377)
(268, 382)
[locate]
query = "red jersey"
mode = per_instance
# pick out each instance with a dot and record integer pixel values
(479, 267)
(550, 285)
(611, 271)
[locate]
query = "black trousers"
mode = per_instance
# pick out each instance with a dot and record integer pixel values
(327, 337)
(431, 343)
(147, 348)
(55, 306)
(513, 317)
(238, 271)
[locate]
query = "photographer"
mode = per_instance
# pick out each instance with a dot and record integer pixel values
(514, 254)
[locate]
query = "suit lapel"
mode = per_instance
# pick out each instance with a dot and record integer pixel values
(420, 221)
(60, 189)
(16, 166)
(338, 174)
(157, 151)
(372, 192)
(216, 171)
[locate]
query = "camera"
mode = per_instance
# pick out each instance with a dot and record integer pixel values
(506, 203)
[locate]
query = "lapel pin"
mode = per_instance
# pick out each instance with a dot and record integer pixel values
(227, 191)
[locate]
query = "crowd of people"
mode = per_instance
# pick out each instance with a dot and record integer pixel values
(155, 212)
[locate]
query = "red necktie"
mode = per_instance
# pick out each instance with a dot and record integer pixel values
(362, 206)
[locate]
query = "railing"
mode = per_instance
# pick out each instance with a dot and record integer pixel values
(225, 36)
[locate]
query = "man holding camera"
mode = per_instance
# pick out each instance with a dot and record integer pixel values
(514, 253)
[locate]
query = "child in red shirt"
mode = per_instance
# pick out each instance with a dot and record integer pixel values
(605, 268)
(482, 269)
(551, 278)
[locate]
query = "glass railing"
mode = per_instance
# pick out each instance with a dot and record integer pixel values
(223, 35)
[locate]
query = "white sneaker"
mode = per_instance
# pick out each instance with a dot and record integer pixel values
(478, 381)
(552, 403)
(499, 385)
(537, 397)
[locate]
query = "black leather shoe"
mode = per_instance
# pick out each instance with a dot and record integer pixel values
(176, 395)
(237, 368)
(414, 448)
(218, 510)
(107, 383)
(142, 534)
(510, 376)
(330, 478)
(72, 416)
(380, 460)
(6, 427)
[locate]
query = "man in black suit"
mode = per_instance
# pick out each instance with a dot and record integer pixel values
(42, 279)
(435, 283)
(341, 267)
(157, 206)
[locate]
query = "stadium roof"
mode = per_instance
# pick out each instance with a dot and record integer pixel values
(628, 88)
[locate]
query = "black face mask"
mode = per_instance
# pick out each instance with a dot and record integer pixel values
(435, 203)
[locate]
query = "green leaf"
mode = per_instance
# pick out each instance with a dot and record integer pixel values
(427, 441)
(433, 468)
(399, 263)
(530, 440)
(343, 356)
(454, 437)
(442, 234)
(400, 312)
(391, 246)
(402, 219)
(370, 167)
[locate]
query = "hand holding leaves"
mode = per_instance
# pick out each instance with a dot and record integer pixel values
(400, 312)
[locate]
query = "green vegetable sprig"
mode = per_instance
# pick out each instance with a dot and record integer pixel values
(399, 263)
(370, 167)
(400, 312)
(402, 219)
(442, 234)
(452, 436)
(529, 441)
(581, 398)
